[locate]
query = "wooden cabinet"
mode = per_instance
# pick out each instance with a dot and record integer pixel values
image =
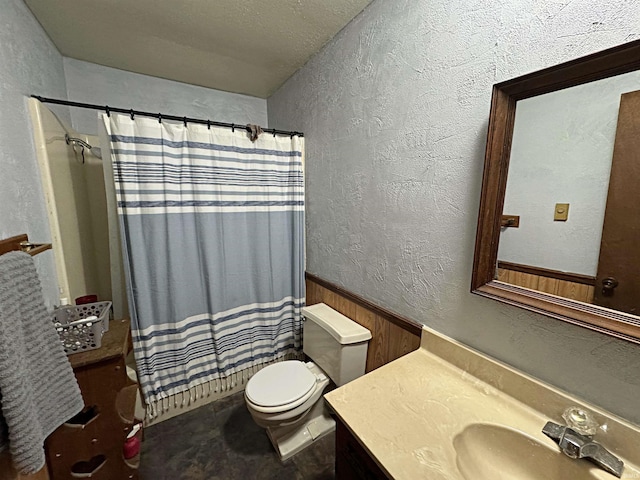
(352, 460)
(91, 443)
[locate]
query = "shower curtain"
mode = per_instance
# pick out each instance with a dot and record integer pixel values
(212, 229)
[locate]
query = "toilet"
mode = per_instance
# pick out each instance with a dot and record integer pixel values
(286, 397)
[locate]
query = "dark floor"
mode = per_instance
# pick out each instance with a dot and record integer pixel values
(221, 441)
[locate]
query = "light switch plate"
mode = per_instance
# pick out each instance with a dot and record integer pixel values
(561, 213)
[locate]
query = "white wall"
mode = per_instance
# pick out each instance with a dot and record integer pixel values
(30, 65)
(394, 111)
(561, 153)
(92, 83)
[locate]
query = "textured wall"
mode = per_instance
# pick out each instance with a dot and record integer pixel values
(30, 65)
(92, 83)
(395, 112)
(561, 153)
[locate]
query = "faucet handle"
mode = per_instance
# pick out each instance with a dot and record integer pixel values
(575, 445)
(580, 421)
(603, 458)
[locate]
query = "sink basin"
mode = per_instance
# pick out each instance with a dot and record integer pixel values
(493, 452)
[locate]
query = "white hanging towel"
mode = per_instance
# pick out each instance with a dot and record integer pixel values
(38, 390)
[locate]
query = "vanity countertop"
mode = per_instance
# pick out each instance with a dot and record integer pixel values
(446, 411)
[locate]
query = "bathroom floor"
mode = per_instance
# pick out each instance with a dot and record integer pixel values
(221, 441)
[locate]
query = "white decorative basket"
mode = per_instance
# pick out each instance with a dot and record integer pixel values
(80, 327)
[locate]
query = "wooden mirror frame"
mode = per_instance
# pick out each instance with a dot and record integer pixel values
(614, 61)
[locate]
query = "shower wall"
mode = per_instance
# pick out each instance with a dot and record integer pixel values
(76, 207)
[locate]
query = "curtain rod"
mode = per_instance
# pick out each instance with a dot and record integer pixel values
(160, 116)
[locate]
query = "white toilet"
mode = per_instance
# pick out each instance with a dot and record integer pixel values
(286, 397)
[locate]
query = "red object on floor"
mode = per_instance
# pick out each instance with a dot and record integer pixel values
(131, 447)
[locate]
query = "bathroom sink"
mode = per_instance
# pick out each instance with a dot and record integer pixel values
(493, 452)
(465, 416)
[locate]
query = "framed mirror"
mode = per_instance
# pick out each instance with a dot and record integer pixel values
(559, 222)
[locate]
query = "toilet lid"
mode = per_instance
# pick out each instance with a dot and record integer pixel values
(280, 384)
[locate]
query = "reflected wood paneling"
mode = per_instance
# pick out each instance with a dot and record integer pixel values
(573, 290)
(392, 335)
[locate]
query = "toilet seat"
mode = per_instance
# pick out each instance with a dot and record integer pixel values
(281, 386)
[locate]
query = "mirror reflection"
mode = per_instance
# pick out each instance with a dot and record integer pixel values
(573, 195)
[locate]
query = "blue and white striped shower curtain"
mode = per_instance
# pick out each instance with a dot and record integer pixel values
(212, 230)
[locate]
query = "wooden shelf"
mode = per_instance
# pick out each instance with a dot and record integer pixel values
(105, 386)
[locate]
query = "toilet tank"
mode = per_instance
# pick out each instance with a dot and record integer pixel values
(335, 343)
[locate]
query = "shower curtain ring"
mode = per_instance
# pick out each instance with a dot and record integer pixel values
(106, 109)
(159, 118)
(184, 119)
(208, 124)
(233, 127)
(131, 113)
(274, 133)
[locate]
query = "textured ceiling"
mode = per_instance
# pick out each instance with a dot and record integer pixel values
(243, 46)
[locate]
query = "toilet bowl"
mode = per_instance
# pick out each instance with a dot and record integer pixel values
(286, 397)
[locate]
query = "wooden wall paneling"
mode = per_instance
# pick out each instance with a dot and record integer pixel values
(581, 292)
(378, 353)
(548, 285)
(566, 289)
(367, 319)
(512, 277)
(403, 322)
(401, 342)
(311, 293)
(548, 273)
(345, 307)
(389, 340)
(325, 295)
(503, 275)
(329, 298)
(528, 280)
(575, 291)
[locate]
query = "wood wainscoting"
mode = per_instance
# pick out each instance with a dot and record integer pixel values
(563, 284)
(392, 335)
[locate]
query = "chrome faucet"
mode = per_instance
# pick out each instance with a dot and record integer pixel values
(577, 445)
